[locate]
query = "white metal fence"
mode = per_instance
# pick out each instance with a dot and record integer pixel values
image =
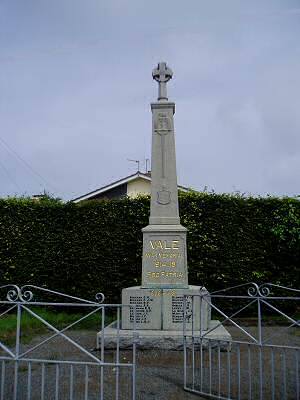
(261, 359)
(61, 363)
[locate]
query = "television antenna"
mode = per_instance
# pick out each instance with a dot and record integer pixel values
(137, 162)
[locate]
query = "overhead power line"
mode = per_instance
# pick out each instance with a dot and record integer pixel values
(21, 159)
(10, 177)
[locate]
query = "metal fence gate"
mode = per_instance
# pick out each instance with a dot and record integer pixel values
(60, 362)
(261, 359)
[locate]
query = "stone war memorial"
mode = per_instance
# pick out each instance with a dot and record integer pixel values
(159, 301)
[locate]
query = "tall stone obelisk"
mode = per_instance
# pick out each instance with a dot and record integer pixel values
(159, 300)
(164, 239)
(158, 304)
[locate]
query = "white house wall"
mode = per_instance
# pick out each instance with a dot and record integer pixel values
(138, 186)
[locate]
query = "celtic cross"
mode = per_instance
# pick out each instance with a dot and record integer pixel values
(162, 74)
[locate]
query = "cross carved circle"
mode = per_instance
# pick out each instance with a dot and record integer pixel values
(162, 73)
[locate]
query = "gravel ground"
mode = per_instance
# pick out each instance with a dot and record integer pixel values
(159, 374)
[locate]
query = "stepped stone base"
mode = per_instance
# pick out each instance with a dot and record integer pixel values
(160, 339)
(162, 309)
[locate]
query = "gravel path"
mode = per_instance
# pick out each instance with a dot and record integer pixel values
(159, 374)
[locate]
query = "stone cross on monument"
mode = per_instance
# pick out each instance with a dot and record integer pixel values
(162, 74)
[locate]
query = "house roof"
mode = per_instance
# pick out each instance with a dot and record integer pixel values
(119, 182)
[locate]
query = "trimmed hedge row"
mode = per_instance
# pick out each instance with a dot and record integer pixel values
(97, 246)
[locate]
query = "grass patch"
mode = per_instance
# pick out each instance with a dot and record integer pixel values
(31, 326)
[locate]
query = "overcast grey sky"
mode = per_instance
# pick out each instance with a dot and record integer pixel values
(75, 89)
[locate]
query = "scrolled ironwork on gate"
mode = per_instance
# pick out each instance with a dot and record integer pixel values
(64, 363)
(251, 349)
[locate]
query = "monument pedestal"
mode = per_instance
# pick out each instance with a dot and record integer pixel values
(159, 317)
(162, 309)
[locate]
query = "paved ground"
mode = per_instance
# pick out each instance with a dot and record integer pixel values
(159, 373)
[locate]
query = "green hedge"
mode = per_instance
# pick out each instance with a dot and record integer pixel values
(97, 246)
